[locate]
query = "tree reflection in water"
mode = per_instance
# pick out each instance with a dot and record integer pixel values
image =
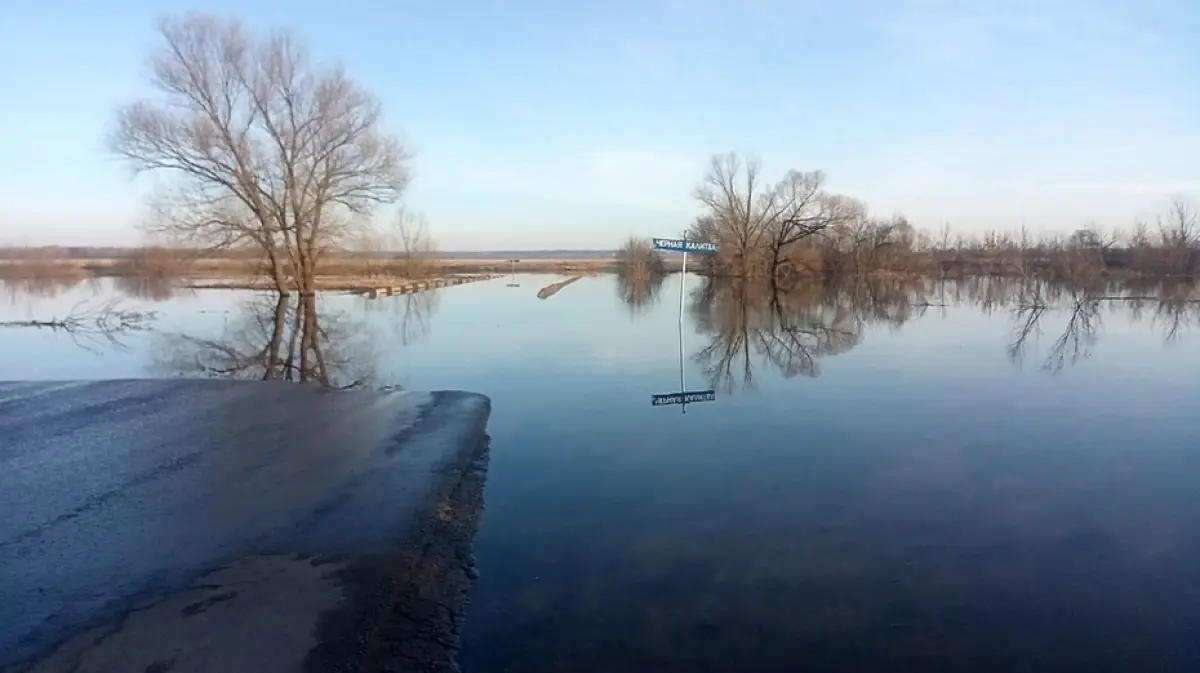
(278, 338)
(156, 288)
(410, 315)
(45, 287)
(639, 292)
(134, 287)
(748, 325)
(1078, 336)
(1172, 307)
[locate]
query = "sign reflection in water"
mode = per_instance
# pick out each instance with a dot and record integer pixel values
(684, 396)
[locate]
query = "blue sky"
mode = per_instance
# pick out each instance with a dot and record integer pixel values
(542, 124)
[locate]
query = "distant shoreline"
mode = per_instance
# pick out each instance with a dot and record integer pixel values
(95, 253)
(340, 273)
(351, 271)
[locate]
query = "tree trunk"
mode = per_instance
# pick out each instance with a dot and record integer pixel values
(272, 370)
(313, 330)
(281, 284)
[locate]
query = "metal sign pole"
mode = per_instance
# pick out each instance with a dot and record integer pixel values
(682, 381)
(684, 396)
(682, 281)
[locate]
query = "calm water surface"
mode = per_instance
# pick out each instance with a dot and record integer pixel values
(964, 477)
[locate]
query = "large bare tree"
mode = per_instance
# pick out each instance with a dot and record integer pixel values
(260, 146)
(734, 197)
(754, 221)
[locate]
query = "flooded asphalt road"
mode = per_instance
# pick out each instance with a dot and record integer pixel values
(117, 493)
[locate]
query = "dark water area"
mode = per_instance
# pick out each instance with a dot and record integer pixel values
(986, 475)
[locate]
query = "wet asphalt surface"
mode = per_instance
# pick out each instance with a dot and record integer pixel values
(115, 492)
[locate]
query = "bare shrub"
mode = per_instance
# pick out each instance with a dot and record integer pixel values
(638, 260)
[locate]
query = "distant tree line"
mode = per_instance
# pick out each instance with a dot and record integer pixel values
(795, 227)
(1170, 246)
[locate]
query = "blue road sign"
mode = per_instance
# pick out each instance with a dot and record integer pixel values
(681, 245)
(686, 397)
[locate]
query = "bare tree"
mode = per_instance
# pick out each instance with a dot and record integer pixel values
(805, 211)
(1140, 238)
(1179, 233)
(262, 147)
(732, 196)
(945, 240)
(1179, 227)
(754, 222)
(416, 246)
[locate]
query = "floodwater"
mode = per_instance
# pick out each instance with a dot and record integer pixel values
(973, 476)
